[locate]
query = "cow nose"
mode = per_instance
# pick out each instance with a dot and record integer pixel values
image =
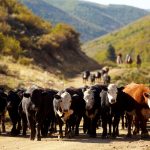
(9, 106)
(113, 101)
(65, 110)
(88, 107)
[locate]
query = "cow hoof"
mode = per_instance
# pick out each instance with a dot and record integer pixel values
(38, 139)
(93, 136)
(104, 137)
(69, 135)
(32, 139)
(144, 135)
(113, 136)
(128, 136)
(135, 132)
(60, 136)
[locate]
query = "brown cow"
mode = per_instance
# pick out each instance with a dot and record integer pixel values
(141, 95)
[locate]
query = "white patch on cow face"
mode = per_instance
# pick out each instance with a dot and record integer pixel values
(89, 97)
(149, 102)
(65, 101)
(112, 93)
(147, 98)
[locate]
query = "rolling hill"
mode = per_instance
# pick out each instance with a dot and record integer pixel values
(133, 39)
(91, 20)
(28, 39)
(56, 15)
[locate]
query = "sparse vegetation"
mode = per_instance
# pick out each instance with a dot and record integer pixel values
(133, 40)
(80, 15)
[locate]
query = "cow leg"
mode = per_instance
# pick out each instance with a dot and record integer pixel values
(38, 131)
(24, 124)
(32, 126)
(115, 126)
(85, 124)
(3, 123)
(68, 130)
(60, 123)
(110, 124)
(122, 119)
(0, 124)
(104, 126)
(77, 126)
(144, 133)
(60, 131)
(93, 124)
(137, 125)
(14, 130)
(129, 118)
(19, 126)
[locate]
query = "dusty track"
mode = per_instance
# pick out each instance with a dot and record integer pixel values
(82, 142)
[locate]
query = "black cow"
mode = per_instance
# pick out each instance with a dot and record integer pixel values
(98, 76)
(92, 79)
(37, 105)
(13, 101)
(85, 76)
(69, 108)
(93, 109)
(3, 104)
(106, 79)
(114, 102)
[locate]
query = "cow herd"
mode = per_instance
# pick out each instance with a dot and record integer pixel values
(98, 76)
(44, 111)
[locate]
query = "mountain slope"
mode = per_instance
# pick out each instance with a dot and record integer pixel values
(108, 17)
(56, 15)
(28, 38)
(91, 20)
(133, 39)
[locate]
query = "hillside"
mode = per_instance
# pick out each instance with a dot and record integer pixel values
(29, 39)
(103, 17)
(133, 39)
(56, 15)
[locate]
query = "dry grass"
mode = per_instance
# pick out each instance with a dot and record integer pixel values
(22, 75)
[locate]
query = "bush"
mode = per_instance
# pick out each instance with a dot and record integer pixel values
(3, 69)
(25, 61)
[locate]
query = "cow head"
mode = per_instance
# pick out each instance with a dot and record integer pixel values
(147, 98)
(13, 100)
(112, 93)
(89, 98)
(63, 101)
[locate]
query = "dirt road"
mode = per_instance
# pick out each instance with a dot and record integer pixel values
(83, 142)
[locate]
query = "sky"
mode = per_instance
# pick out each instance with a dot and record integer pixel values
(144, 4)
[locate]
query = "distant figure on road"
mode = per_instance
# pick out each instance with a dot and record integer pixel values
(106, 79)
(138, 61)
(92, 79)
(119, 59)
(85, 76)
(128, 59)
(98, 76)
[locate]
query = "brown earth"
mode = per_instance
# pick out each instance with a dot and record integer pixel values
(82, 142)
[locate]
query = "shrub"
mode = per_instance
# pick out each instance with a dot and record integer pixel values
(3, 69)
(25, 61)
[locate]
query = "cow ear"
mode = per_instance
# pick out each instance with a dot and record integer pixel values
(85, 88)
(57, 96)
(27, 95)
(146, 95)
(121, 88)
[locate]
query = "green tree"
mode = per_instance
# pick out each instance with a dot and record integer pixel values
(111, 55)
